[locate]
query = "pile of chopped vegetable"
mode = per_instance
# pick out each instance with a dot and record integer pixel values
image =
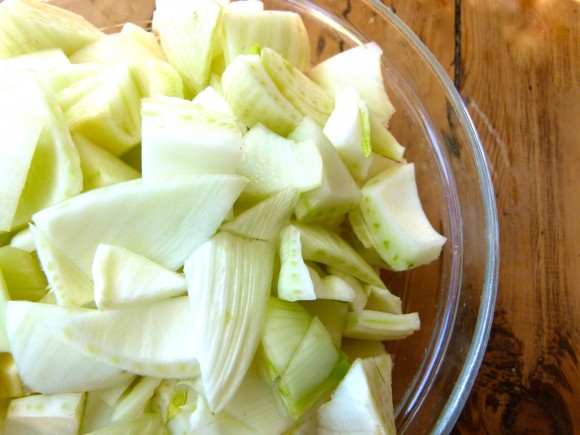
(193, 220)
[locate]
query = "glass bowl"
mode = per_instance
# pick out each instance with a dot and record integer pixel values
(435, 368)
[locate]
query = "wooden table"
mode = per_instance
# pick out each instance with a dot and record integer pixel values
(516, 64)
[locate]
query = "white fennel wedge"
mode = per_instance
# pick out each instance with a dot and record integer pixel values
(362, 402)
(331, 313)
(346, 130)
(272, 163)
(229, 279)
(27, 26)
(163, 219)
(359, 67)
(31, 343)
(396, 222)
(377, 325)
(304, 94)
(286, 324)
(126, 46)
(281, 31)
(315, 369)
(108, 115)
(150, 340)
(123, 278)
(255, 405)
(180, 138)
(381, 299)
(212, 100)
(188, 32)
(134, 402)
(360, 293)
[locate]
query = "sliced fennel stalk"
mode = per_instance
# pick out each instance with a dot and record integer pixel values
(395, 220)
(359, 67)
(294, 280)
(254, 97)
(281, 31)
(305, 95)
(229, 281)
(188, 31)
(28, 26)
(327, 247)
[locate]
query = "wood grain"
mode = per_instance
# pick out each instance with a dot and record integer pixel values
(517, 66)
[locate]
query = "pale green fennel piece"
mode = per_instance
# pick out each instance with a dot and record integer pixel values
(286, 323)
(363, 401)
(396, 222)
(228, 320)
(377, 325)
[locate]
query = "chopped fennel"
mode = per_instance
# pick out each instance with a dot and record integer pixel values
(206, 157)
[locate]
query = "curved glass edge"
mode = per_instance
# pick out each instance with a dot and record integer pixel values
(474, 358)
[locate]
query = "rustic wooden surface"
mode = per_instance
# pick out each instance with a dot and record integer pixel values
(516, 64)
